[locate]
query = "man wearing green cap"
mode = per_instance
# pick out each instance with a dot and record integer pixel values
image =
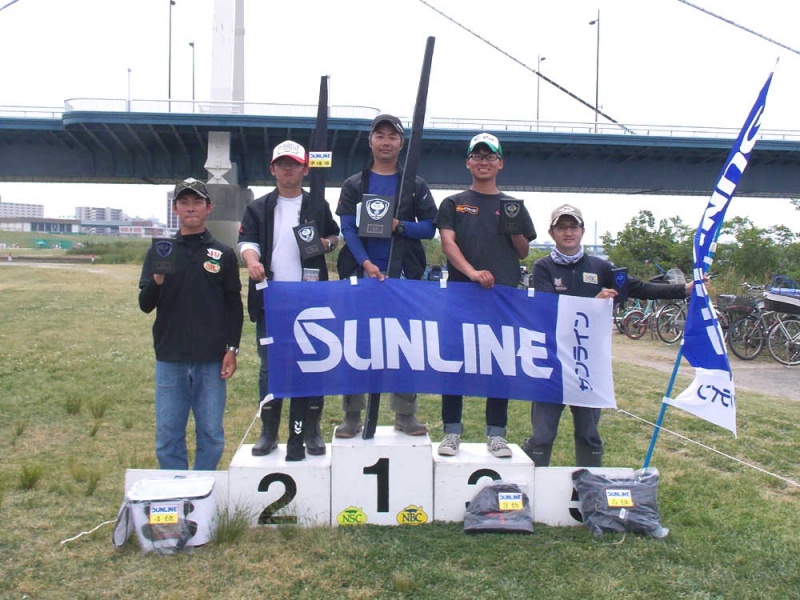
(479, 249)
(192, 281)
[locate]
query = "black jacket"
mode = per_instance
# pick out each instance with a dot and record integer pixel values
(407, 252)
(199, 306)
(591, 274)
(258, 226)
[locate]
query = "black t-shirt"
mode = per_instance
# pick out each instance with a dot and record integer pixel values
(475, 219)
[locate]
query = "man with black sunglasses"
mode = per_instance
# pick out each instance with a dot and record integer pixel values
(482, 247)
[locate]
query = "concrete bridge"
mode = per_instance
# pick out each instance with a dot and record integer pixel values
(160, 141)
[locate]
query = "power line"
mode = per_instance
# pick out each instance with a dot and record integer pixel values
(9, 4)
(529, 68)
(742, 27)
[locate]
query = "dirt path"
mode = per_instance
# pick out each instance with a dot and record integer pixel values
(762, 375)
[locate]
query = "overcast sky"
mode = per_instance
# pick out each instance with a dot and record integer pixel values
(662, 62)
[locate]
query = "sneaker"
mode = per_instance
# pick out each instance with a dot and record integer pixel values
(449, 445)
(498, 447)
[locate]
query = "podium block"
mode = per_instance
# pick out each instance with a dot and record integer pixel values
(277, 492)
(555, 500)
(456, 479)
(387, 480)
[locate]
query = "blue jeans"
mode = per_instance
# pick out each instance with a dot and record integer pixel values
(181, 387)
(496, 415)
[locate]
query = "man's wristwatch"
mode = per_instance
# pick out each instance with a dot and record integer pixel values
(400, 227)
(233, 349)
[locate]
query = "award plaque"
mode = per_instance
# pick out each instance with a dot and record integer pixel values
(162, 258)
(374, 216)
(510, 220)
(620, 275)
(308, 240)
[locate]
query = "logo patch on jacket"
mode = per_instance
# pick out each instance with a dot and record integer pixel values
(466, 208)
(214, 254)
(590, 278)
(558, 284)
(212, 266)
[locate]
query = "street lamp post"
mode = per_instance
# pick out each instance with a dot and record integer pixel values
(192, 45)
(129, 89)
(539, 60)
(169, 58)
(597, 71)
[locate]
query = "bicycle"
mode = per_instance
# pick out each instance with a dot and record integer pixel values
(783, 337)
(637, 321)
(747, 335)
(671, 321)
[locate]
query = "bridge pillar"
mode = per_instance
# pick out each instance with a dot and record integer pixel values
(229, 204)
(227, 85)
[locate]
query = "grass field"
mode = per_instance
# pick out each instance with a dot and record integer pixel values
(76, 365)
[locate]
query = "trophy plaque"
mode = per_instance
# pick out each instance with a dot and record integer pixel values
(510, 220)
(308, 241)
(620, 275)
(374, 216)
(162, 258)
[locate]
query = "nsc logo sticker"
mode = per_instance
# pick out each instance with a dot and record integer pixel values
(352, 515)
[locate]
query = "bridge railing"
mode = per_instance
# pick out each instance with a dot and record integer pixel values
(215, 108)
(31, 112)
(368, 113)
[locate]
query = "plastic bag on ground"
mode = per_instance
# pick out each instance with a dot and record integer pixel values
(499, 508)
(620, 505)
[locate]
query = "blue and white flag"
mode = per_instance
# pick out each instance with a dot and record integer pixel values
(370, 336)
(711, 396)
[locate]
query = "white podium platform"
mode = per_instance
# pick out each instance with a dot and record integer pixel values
(387, 480)
(392, 479)
(456, 479)
(277, 492)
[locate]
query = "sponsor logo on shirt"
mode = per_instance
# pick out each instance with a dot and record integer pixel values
(590, 278)
(212, 266)
(466, 208)
(558, 284)
(214, 254)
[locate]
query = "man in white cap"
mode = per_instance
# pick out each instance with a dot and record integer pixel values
(270, 250)
(479, 250)
(369, 257)
(567, 270)
(192, 282)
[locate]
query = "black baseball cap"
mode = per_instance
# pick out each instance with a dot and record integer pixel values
(391, 119)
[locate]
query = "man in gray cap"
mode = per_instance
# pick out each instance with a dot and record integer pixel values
(369, 256)
(567, 270)
(193, 283)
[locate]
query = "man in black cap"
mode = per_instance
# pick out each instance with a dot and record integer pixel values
(271, 251)
(369, 257)
(567, 270)
(193, 283)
